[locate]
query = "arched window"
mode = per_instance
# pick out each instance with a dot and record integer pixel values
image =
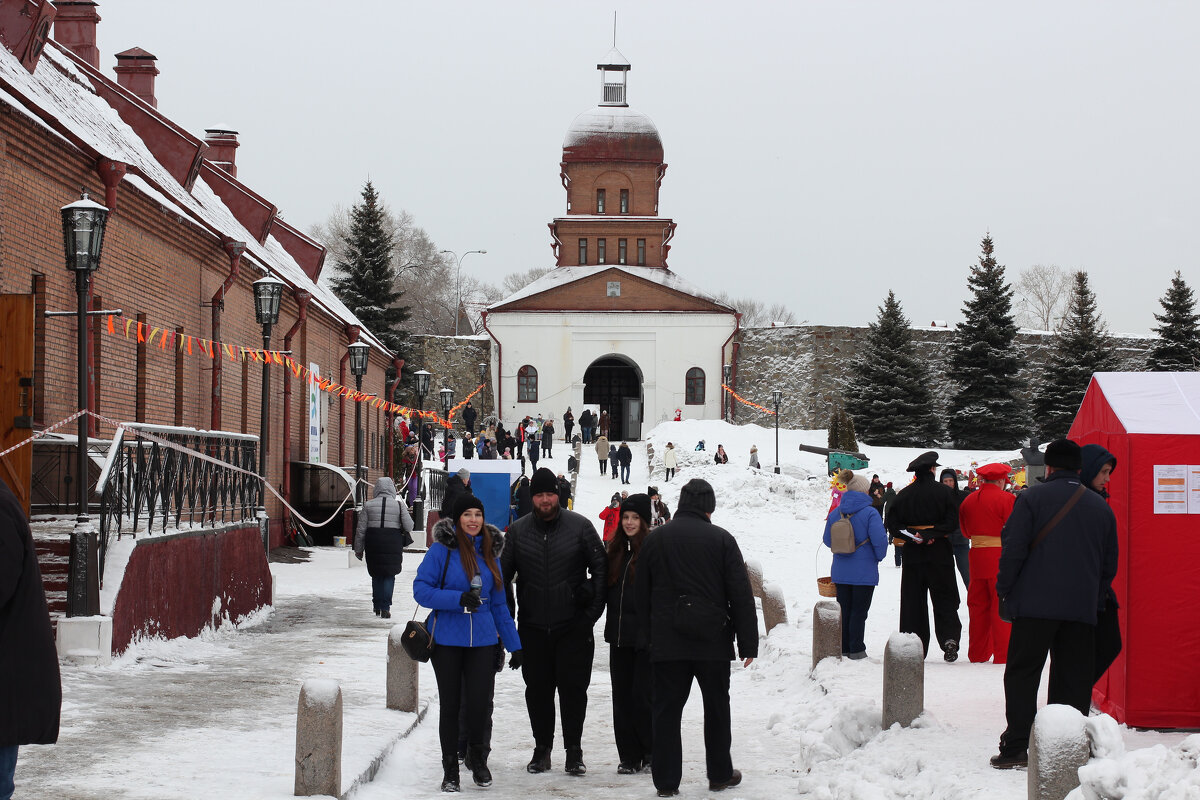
(527, 384)
(694, 387)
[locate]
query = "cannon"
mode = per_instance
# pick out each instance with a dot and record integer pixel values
(836, 460)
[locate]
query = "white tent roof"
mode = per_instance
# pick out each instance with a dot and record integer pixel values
(1153, 402)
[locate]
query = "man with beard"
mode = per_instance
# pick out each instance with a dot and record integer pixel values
(554, 558)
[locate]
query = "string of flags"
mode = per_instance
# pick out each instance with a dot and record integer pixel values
(746, 402)
(169, 339)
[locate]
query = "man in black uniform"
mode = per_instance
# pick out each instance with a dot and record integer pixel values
(926, 512)
(556, 559)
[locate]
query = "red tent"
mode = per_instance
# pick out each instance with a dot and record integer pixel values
(1151, 422)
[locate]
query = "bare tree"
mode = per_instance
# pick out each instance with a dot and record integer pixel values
(1042, 292)
(516, 281)
(756, 314)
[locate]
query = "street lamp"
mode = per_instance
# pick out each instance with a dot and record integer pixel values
(268, 292)
(422, 377)
(482, 372)
(447, 402)
(358, 368)
(727, 374)
(83, 236)
(458, 282)
(777, 396)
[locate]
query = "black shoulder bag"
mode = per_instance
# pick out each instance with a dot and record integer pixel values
(1002, 610)
(417, 639)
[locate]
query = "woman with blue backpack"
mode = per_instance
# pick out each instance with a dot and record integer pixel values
(854, 532)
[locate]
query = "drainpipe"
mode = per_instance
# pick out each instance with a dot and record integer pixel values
(352, 334)
(302, 300)
(499, 361)
(737, 325)
(234, 250)
(398, 363)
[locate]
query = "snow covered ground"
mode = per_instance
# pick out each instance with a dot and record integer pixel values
(216, 714)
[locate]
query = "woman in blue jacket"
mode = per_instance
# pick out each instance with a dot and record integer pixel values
(466, 621)
(857, 574)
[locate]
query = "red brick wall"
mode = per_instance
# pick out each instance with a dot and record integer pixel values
(586, 178)
(591, 294)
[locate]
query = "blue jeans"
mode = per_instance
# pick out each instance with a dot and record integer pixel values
(8, 768)
(381, 594)
(624, 473)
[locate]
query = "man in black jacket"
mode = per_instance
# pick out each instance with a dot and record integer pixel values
(691, 556)
(468, 418)
(557, 562)
(1052, 586)
(459, 484)
(926, 512)
(30, 691)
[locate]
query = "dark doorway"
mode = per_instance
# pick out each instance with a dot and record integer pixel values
(609, 383)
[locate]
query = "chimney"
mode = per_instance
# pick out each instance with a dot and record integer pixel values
(75, 28)
(222, 142)
(136, 72)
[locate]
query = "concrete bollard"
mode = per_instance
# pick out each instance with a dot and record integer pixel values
(773, 607)
(319, 739)
(755, 572)
(903, 679)
(1058, 747)
(827, 631)
(402, 674)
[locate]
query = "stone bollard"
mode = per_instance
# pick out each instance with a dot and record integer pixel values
(827, 631)
(903, 679)
(319, 739)
(773, 608)
(402, 674)
(755, 573)
(1058, 747)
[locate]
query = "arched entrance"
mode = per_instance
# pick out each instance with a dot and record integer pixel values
(615, 384)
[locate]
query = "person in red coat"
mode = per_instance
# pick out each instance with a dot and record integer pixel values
(981, 517)
(612, 516)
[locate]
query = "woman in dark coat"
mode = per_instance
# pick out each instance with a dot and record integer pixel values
(628, 667)
(548, 438)
(568, 424)
(383, 526)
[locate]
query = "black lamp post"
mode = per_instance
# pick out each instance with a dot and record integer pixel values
(358, 368)
(447, 402)
(422, 378)
(777, 396)
(482, 372)
(727, 374)
(83, 236)
(268, 292)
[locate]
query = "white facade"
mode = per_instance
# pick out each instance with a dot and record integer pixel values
(660, 346)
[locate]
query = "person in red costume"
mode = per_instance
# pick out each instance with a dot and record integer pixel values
(981, 517)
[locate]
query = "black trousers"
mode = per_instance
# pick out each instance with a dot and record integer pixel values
(456, 669)
(604, 466)
(561, 661)
(855, 602)
(670, 471)
(631, 693)
(672, 685)
(491, 707)
(936, 580)
(1069, 645)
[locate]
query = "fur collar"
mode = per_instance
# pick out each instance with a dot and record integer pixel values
(443, 533)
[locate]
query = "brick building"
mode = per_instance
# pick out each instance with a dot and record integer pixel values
(185, 240)
(611, 326)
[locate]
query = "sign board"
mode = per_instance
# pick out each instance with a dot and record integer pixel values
(314, 415)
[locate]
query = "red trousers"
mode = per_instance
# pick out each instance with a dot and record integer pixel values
(987, 634)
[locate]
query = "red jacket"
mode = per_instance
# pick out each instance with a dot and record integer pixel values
(984, 512)
(612, 518)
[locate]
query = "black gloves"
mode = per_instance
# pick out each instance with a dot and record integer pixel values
(517, 658)
(469, 600)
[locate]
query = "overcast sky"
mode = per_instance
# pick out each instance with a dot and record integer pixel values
(820, 153)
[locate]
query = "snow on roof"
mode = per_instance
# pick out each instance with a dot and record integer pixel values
(1153, 402)
(614, 59)
(561, 276)
(609, 121)
(59, 89)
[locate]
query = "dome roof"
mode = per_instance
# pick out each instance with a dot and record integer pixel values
(613, 133)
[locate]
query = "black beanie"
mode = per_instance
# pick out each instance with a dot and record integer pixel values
(639, 503)
(1064, 454)
(543, 481)
(697, 495)
(464, 502)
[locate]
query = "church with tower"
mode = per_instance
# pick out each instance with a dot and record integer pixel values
(611, 325)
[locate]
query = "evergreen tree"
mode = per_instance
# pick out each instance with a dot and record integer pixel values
(888, 393)
(987, 411)
(365, 282)
(835, 426)
(1178, 346)
(1079, 348)
(849, 442)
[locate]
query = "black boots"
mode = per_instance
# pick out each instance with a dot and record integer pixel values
(476, 761)
(450, 775)
(575, 765)
(540, 761)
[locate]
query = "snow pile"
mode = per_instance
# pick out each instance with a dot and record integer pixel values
(1158, 773)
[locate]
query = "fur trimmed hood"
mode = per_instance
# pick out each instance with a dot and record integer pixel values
(443, 533)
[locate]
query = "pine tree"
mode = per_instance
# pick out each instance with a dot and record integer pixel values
(849, 441)
(1079, 348)
(835, 423)
(1178, 346)
(888, 393)
(366, 283)
(987, 411)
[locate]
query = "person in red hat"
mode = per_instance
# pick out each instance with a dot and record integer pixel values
(981, 517)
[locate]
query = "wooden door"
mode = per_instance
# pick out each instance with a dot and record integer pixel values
(16, 392)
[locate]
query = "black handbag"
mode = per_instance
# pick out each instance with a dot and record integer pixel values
(417, 640)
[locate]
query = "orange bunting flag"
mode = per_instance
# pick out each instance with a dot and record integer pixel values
(189, 345)
(110, 324)
(140, 338)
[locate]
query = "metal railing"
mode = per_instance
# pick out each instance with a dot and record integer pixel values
(434, 480)
(167, 478)
(52, 483)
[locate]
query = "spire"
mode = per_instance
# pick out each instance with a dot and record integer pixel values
(614, 74)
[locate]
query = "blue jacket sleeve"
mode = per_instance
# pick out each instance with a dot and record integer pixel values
(878, 536)
(429, 578)
(828, 525)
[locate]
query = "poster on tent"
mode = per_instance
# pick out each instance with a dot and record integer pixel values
(1171, 488)
(1194, 490)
